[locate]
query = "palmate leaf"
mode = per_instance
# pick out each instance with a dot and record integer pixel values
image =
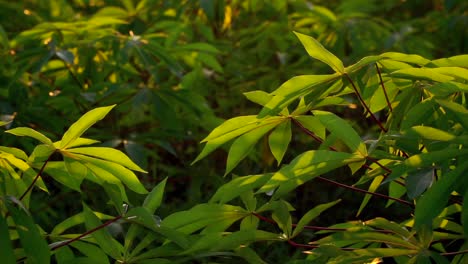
(203, 216)
(317, 51)
(109, 154)
(305, 167)
(86, 121)
(116, 170)
(231, 129)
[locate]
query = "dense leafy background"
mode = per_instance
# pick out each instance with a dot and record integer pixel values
(177, 69)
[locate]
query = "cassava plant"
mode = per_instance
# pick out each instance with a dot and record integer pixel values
(414, 154)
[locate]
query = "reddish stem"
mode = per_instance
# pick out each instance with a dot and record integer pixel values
(36, 178)
(365, 105)
(383, 88)
(86, 233)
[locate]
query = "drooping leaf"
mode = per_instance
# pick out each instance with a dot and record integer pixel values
(279, 140)
(109, 154)
(231, 129)
(106, 242)
(317, 51)
(305, 167)
(94, 253)
(435, 199)
(29, 132)
(123, 174)
(313, 124)
(86, 121)
(283, 218)
(343, 130)
(293, 89)
(311, 214)
(410, 58)
(422, 73)
(417, 182)
(241, 147)
(238, 186)
(6, 248)
(34, 245)
(372, 188)
(203, 216)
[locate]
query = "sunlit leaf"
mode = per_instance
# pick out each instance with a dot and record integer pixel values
(317, 51)
(238, 186)
(279, 140)
(86, 121)
(29, 132)
(109, 154)
(241, 147)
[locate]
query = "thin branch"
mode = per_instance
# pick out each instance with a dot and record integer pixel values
(365, 105)
(36, 178)
(383, 88)
(455, 253)
(86, 233)
(319, 140)
(367, 192)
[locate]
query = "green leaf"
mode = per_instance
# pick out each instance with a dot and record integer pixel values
(293, 89)
(204, 215)
(368, 236)
(95, 254)
(421, 73)
(86, 121)
(305, 167)
(279, 140)
(29, 132)
(410, 58)
(464, 214)
(434, 200)
(249, 255)
(372, 188)
(244, 144)
(58, 171)
(313, 124)
(459, 61)
(103, 238)
(231, 129)
(430, 133)
(311, 214)
(317, 51)
(343, 131)
(362, 63)
(109, 154)
(283, 218)
(6, 248)
(418, 114)
(258, 97)
(34, 245)
(238, 186)
(417, 182)
(154, 198)
(123, 174)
